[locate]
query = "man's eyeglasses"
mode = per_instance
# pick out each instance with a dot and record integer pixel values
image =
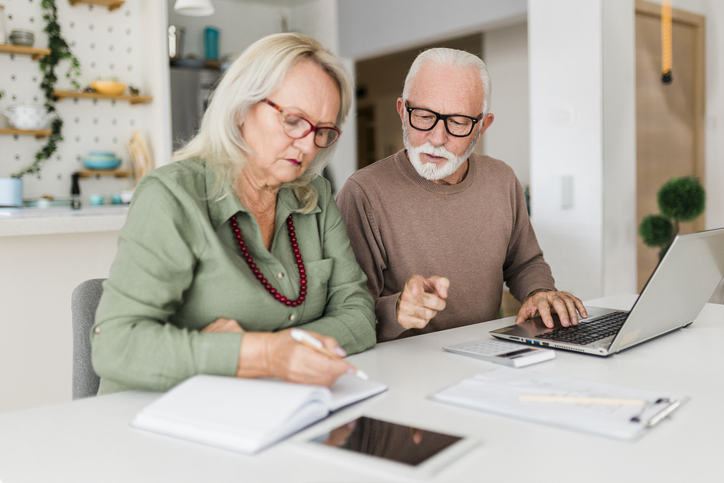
(296, 127)
(456, 124)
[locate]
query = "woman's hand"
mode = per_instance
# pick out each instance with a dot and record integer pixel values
(265, 354)
(223, 325)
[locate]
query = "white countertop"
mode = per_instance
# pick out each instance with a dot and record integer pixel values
(50, 221)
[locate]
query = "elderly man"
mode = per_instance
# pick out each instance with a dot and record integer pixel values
(437, 229)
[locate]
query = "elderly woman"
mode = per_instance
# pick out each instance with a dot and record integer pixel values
(238, 240)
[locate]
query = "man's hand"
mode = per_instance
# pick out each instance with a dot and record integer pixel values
(541, 304)
(421, 299)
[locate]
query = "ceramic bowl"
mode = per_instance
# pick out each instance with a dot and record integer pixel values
(126, 196)
(110, 88)
(103, 154)
(101, 163)
(25, 38)
(29, 117)
(96, 200)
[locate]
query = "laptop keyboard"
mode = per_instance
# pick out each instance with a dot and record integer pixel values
(588, 331)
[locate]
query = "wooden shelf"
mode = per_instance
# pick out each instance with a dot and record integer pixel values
(41, 133)
(111, 4)
(36, 54)
(94, 95)
(118, 173)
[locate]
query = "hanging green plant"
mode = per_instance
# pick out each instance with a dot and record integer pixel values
(59, 51)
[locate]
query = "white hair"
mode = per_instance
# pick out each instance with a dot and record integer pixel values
(256, 74)
(453, 58)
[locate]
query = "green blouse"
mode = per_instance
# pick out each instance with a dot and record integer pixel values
(179, 268)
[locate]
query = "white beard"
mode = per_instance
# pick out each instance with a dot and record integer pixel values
(431, 171)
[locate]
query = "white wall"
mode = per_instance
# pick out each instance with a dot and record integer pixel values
(318, 19)
(505, 52)
(239, 23)
(619, 148)
(156, 80)
(38, 276)
(566, 99)
(374, 27)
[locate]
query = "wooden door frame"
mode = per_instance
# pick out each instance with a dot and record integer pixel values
(699, 23)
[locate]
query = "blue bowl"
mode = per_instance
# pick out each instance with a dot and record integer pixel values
(101, 164)
(102, 154)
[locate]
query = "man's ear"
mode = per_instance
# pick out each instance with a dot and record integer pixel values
(487, 121)
(401, 109)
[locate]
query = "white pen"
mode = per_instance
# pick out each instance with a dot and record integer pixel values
(305, 338)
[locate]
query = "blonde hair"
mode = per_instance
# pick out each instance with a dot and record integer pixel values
(256, 74)
(444, 57)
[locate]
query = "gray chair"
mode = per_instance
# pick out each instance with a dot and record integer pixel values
(84, 303)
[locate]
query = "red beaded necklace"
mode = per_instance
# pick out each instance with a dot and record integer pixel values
(260, 276)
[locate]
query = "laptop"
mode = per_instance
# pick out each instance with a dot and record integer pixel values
(681, 285)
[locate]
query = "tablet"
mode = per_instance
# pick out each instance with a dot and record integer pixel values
(392, 447)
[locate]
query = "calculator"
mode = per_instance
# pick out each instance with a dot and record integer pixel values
(502, 352)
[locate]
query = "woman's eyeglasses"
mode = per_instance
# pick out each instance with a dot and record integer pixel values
(296, 127)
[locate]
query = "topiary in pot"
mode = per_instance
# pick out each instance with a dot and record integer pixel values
(680, 200)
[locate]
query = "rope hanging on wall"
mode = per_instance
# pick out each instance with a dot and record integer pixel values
(666, 42)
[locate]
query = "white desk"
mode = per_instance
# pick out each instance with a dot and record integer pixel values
(90, 440)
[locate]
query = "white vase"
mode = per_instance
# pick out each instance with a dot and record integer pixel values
(11, 192)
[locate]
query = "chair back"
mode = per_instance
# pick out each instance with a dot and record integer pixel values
(84, 303)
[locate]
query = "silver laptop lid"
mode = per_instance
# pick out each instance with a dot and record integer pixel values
(678, 289)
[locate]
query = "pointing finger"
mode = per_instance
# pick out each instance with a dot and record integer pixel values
(439, 285)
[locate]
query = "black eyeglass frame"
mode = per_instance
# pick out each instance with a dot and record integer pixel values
(312, 127)
(444, 118)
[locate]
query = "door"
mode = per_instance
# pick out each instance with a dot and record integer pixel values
(669, 118)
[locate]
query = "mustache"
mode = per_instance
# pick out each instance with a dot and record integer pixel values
(438, 151)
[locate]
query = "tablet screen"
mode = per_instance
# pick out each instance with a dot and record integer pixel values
(390, 441)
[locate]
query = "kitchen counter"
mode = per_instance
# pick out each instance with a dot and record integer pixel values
(50, 221)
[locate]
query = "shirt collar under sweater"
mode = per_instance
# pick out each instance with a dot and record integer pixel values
(443, 189)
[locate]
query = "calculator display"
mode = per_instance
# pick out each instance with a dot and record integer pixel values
(516, 353)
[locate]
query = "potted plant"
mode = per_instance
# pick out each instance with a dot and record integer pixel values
(680, 200)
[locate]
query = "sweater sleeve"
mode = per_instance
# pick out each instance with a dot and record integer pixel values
(525, 269)
(367, 243)
(348, 313)
(134, 343)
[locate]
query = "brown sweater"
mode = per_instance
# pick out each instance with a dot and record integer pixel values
(476, 233)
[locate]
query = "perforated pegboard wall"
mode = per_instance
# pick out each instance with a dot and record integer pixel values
(106, 43)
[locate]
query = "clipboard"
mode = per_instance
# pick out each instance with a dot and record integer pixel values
(603, 409)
